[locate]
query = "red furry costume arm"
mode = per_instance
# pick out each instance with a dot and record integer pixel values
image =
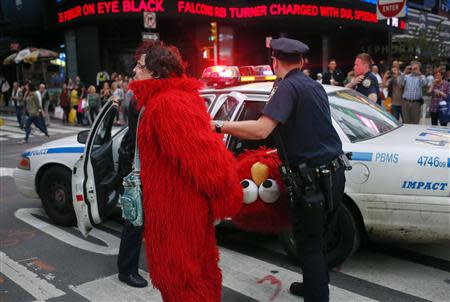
(183, 134)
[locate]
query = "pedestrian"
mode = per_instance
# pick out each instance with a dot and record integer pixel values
(333, 76)
(391, 81)
(189, 179)
(376, 72)
(44, 99)
(17, 99)
(117, 92)
(93, 104)
(34, 110)
(76, 104)
(4, 86)
(440, 91)
(105, 93)
(307, 72)
(131, 239)
(298, 113)
(64, 102)
(412, 93)
(364, 81)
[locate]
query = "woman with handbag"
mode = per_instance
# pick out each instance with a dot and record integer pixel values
(189, 179)
(440, 91)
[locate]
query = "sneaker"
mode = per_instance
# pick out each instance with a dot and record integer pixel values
(297, 289)
(22, 142)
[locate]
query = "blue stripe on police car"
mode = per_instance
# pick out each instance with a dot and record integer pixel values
(53, 151)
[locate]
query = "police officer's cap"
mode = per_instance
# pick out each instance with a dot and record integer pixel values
(288, 49)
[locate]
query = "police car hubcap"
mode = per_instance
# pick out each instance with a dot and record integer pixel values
(59, 195)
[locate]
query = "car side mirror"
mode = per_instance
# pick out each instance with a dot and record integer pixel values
(82, 136)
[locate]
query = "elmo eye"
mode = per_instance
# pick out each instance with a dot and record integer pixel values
(269, 191)
(250, 191)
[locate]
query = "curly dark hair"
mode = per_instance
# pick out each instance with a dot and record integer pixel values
(164, 61)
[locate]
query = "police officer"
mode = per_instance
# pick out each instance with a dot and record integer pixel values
(298, 109)
(365, 81)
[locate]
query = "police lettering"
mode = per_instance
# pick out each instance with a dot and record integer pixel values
(387, 158)
(420, 185)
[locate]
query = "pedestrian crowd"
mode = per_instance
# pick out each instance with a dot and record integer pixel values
(75, 104)
(402, 91)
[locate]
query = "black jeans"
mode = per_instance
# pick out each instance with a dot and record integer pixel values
(310, 227)
(435, 119)
(130, 248)
(38, 121)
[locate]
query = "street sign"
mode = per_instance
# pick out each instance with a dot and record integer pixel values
(149, 20)
(150, 36)
(391, 8)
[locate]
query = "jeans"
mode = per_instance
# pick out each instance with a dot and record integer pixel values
(19, 115)
(435, 118)
(38, 121)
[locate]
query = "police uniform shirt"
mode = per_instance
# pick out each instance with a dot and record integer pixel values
(369, 85)
(301, 106)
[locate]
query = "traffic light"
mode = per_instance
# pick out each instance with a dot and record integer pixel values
(213, 32)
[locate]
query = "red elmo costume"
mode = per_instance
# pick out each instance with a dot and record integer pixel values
(266, 208)
(189, 180)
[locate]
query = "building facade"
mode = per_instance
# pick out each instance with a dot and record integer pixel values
(103, 35)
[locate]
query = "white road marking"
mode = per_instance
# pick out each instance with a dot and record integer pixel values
(29, 281)
(401, 275)
(241, 273)
(111, 289)
(6, 172)
(50, 130)
(112, 243)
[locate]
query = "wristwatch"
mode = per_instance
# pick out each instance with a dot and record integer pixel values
(218, 125)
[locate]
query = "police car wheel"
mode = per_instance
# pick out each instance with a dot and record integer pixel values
(56, 195)
(343, 242)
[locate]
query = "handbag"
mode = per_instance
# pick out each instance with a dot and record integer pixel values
(59, 112)
(444, 110)
(131, 199)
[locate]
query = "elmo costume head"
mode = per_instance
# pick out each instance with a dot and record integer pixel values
(265, 207)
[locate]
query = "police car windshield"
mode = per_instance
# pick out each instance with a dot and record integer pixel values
(358, 117)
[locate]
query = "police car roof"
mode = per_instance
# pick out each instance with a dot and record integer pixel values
(265, 87)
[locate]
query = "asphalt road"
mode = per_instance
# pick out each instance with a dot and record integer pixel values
(42, 261)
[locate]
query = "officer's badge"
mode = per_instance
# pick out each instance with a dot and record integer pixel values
(366, 83)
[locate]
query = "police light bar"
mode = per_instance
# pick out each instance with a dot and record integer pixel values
(258, 78)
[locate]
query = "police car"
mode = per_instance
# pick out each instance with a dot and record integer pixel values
(399, 181)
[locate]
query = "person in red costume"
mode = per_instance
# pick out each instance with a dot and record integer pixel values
(189, 179)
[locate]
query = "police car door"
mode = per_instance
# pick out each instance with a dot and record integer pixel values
(95, 178)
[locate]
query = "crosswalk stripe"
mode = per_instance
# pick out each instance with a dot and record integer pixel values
(29, 281)
(6, 171)
(111, 289)
(50, 129)
(402, 275)
(241, 273)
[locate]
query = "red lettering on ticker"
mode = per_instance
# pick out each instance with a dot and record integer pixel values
(131, 6)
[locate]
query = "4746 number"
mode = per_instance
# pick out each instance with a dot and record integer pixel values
(430, 161)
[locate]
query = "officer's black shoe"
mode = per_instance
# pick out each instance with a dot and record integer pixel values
(134, 280)
(297, 289)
